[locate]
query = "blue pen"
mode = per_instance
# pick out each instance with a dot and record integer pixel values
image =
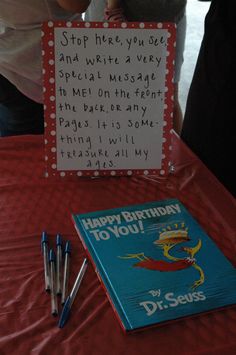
(54, 305)
(66, 272)
(70, 299)
(59, 264)
(44, 245)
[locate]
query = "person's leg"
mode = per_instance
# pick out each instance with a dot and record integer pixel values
(209, 123)
(177, 112)
(179, 58)
(18, 114)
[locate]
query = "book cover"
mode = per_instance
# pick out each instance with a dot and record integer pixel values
(156, 262)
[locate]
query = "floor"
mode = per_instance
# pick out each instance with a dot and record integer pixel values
(196, 12)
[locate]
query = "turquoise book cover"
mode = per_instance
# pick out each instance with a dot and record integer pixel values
(156, 262)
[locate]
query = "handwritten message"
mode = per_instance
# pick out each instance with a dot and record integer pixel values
(110, 98)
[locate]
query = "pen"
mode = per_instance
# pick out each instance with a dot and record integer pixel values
(59, 264)
(66, 272)
(54, 305)
(70, 299)
(44, 244)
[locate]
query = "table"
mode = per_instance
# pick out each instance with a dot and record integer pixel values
(30, 203)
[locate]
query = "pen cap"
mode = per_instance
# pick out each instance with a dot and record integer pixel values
(68, 248)
(52, 256)
(58, 239)
(44, 238)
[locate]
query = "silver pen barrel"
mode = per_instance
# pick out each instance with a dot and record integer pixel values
(46, 267)
(44, 244)
(59, 265)
(54, 305)
(78, 281)
(66, 273)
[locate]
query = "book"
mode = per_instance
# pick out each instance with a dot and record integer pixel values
(156, 263)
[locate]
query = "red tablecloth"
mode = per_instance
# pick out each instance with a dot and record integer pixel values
(29, 204)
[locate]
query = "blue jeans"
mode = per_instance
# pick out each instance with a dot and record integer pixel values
(18, 114)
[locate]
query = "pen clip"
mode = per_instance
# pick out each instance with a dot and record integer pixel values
(58, 240)
(44, 239)
(52, 257)
(68, 248)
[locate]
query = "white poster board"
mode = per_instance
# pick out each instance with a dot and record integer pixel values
(108, 97)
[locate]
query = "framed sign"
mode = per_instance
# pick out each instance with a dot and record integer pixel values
(108, 97)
